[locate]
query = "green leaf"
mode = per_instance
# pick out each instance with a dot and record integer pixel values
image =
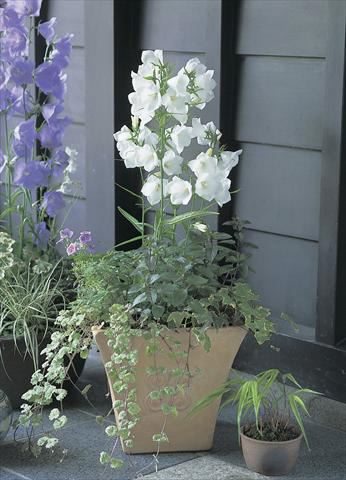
(189, 216)
(176, 318)
(134, 239)
(139, 299)
(116, 463)
(157, 311)
(160, 437)
(169, 409)
(105, 458)
(85, 390)
(136, 223)
(196, 280)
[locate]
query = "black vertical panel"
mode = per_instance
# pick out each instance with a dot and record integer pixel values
(332, 222)
(127, 31)
(229, 87)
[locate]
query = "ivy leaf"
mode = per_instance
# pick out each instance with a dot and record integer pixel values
(139, 299)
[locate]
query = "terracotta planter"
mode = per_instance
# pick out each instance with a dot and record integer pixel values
(184, 433)
(270, 458)
(16, 368)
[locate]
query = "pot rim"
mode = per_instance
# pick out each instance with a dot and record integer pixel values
(98, 328)
(267, 442)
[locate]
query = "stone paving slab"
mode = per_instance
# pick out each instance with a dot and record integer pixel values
(207, 467)
(84, 439)
(325, 461)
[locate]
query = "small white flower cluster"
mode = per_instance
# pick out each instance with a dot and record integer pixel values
(166, 102)
(67, 183)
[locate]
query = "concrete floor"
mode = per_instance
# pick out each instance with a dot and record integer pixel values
(83, 439)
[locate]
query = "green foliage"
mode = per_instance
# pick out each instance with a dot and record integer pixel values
(32, 293)
(196, 284)
(265, 396)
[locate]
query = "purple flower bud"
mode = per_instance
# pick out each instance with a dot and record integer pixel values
(72, 248)
(46, 29)
(31, 175)
(41, 235)
(21, 71)
(52, 203)
(85, 238)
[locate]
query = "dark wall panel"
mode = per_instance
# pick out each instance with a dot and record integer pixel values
(177, 25)
(285, 275)
(283, 27)
(280, 101)
(280, 189)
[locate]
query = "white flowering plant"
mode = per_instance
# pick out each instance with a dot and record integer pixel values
(194, 283)
(164, 125)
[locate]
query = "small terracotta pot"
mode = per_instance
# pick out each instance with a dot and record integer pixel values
(270, 458)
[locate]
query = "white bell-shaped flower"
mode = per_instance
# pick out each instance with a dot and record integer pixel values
(203, 164)
(181, 137)
(147, 158)
(175, 105)
(223, 195)
(152, 189)
(180, 191)
(195, 65)
(229, 160)
(171, 163)
(207, 186)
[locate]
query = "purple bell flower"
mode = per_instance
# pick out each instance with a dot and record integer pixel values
(46, 29)
(62, 51)
(41, 235)
(47, 77)
(52, 203)
(85, 238)
(65, 234)
(31, 175)
(51, 135)
(25, 7)
(21, 71)
(14, 43)
(59, 162)
(25, 133)
(20, 101)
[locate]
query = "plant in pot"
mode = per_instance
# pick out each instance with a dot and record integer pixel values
(169, 316)
(269, 410)
(35, 171)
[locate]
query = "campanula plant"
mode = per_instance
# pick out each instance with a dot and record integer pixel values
(161, 309)
(35, 167)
